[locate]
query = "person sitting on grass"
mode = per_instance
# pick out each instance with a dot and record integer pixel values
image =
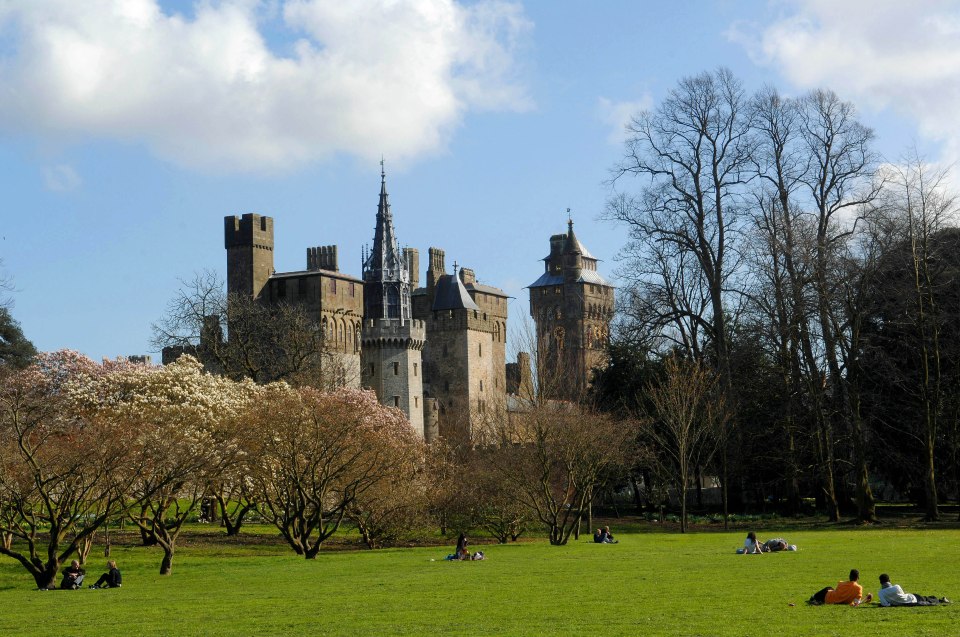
(892, 595)
(849, 592)
(751, 545)
(110, 579)
(461, 552)
(607, 537)
(72, 576)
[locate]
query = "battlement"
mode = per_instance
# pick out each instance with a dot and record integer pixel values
(250, 230)
(322, 258)
(395, 326)
(467, 276)
(410, 334)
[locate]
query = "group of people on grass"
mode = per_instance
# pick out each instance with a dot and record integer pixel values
(462, 553)
(851, 592)
(73, 577)
(604, 536)
(753, 546)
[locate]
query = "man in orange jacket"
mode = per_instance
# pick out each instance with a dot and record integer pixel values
(849, 592)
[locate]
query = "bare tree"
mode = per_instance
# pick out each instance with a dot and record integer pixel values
(244, 338)
(694, 151)
(686, 425)
(555, 455)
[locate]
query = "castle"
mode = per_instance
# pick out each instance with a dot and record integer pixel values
(437, 352)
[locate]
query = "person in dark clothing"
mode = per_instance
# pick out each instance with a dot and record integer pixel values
(72, 576)
(598, 537)
(110, 579)
(461, 553)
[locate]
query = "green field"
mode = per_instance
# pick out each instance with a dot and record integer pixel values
(648, 584)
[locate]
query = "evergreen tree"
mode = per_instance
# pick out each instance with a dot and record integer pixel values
(15, 349)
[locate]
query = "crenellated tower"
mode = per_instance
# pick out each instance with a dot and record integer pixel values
(249, 243)
(392, 340)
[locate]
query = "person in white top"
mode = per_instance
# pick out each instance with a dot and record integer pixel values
(893, 595)
(752, 545)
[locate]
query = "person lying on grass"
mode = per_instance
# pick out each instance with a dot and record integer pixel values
(778, 544)
(893, 595)
(849, 592)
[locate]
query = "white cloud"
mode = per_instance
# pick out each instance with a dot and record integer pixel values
(363, 77)
(618, 114)
(885, 53)
(61, 178)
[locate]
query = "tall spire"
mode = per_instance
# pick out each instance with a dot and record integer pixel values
(387, 281)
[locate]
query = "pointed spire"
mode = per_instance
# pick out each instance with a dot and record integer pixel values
(387, 282)
(572, 244)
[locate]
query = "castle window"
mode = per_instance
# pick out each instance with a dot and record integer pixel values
(353, 289)
(396, 369)
(480, 349)
(556, 290)
(481, 385)
(414, 369)
(372, 369)
(333, 286)
(480, 405)
(416, 401)
(396, 401)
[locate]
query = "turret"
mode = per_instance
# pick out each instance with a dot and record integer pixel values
(249, 244)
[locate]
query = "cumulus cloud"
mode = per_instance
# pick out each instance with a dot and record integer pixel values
(901, 55)
(61, 178)
(618, 114)
(362, 77)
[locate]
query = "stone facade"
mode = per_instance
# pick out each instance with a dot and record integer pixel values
(437, 352)
(572, 306)
(464, 356)
(392, 340)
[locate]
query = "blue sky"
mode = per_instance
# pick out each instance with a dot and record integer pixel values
(129, 129)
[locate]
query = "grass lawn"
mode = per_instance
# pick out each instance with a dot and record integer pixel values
(648, 584)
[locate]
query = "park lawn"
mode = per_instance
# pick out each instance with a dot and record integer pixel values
(648, 584)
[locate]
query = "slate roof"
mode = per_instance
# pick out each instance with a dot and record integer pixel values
(586, 276)
(451, 295)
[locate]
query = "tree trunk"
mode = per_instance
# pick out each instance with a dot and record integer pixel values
(166, 565)
(930, 490)
(83, 549)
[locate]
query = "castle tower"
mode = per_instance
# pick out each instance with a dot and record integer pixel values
(249, 243)
(463, 359)
(572, 306)
(391, 339)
